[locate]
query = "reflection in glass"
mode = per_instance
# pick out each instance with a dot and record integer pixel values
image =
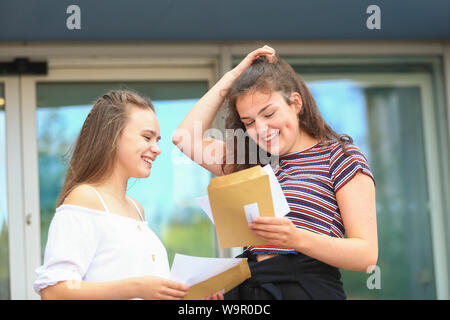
(4, 242)
(168, 195)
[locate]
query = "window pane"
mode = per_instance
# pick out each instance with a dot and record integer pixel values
(4, 243)
(167, 195)
(386, 123)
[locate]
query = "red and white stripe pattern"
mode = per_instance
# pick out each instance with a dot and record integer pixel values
(310, 180)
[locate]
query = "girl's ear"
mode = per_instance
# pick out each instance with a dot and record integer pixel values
(297, 102)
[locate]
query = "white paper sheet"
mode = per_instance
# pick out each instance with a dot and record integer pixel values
(251, 211)
(206, 206)
(192, 270)
(280, 205)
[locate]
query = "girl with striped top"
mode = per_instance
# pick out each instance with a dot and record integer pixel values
(325, 178)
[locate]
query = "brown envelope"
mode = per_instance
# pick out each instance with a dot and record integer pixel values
(224, 282)
(228, 195)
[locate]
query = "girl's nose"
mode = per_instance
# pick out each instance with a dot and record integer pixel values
(156, 149)
(261, 127)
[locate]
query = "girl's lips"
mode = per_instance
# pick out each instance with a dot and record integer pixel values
(147, 161)
(271, 137)
(272, 145)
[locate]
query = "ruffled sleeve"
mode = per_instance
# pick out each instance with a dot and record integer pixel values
(344, 167)
(71, 245)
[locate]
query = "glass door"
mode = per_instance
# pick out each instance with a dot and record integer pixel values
(168, 195)
(54, 108)
(394, 109)
(13, 280)
(4, 230)
(391, 117)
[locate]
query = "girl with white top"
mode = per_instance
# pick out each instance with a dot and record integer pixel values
(99, 244)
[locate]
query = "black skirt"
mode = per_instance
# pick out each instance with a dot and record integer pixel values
(289, 277)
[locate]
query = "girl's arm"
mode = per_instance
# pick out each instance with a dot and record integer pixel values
(189, 137)
(359, 251)
(153, 288)
(139, 287)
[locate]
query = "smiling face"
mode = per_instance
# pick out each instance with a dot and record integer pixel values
(270, 121)
(137, 146)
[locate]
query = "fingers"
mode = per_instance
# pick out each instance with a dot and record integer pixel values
(173, 294)
(267, 235)
(266, 231)
(176, 285)
(174, 290)
(266, 227)
(271, 57)
(215, 296)
(275, 230)
(270, 221)
(274, 220)
(266, 51)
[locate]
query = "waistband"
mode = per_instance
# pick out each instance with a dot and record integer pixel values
(318, 279)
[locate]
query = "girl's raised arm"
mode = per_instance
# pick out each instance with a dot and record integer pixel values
(190, 134)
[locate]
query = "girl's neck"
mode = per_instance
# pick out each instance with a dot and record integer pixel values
(115, 186)
(304, 142)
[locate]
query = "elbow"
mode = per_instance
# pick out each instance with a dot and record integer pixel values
(176, 140)
(183, 143)
(46, 294)
(370, 262)
(58, 291)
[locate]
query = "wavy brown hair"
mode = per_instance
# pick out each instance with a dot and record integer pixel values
(93, 156)
(268, 77)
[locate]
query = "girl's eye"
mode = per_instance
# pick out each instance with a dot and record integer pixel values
(248, 124)
(269, 115)
(147, 138)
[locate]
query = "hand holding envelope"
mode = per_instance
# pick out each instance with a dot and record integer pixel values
(233, 202)
(208, 275)
(236, 199)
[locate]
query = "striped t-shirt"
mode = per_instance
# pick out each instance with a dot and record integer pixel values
(310, 179)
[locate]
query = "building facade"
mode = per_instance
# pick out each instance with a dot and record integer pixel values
(390, 91)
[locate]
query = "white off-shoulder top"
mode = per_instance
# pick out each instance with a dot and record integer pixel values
(91, 245)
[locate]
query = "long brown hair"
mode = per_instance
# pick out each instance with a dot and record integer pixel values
(268, 77)
(95, 148)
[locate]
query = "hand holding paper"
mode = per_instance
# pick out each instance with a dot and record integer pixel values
(208, 275)
(278, 231)
(236, 199)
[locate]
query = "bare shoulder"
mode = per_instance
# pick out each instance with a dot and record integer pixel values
(84, 196)
(139, 206)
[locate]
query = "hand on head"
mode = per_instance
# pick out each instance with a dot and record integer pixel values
(266, 51)
(271, 57)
